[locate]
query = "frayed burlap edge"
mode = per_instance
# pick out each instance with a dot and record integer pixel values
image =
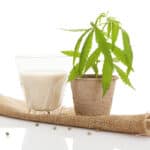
(146, 123)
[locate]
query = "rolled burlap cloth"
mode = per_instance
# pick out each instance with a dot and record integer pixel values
(132, 124)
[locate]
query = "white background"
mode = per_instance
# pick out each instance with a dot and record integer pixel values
(31, 27)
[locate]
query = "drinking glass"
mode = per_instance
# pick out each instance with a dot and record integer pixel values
(43, 80)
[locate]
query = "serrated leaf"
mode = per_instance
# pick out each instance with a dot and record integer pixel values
(109, 27)
(85, 52)
(100, 38)
(119, 54)
(108, 62)
(73, 73)
(123, 76)
(106, 75)
(75, 30)
(127, 50)
(92, 58)
(107, 70)
(103, 45)
(115, 31)
(78, 44)
(70, 53)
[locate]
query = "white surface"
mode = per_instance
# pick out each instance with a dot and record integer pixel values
(26, 136)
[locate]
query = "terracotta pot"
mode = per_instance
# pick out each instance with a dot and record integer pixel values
(87, 96)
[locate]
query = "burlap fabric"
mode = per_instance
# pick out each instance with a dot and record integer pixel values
(132, 124)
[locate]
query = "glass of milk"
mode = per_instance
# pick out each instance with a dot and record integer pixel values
(43, 80)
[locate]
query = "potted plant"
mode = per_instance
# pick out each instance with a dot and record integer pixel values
(99, 49)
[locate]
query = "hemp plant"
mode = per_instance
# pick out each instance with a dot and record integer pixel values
(99, 45)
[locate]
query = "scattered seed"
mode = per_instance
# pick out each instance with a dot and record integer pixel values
(37, 124)
(54, 128)
(89, 133)
(69, 128)
(7, 133)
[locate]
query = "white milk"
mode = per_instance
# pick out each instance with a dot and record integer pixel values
(43, 90)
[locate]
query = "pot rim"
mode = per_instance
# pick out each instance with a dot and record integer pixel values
(92, 77)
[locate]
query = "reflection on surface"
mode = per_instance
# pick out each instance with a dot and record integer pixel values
(110, 141)
(27, 136)
(43, 139)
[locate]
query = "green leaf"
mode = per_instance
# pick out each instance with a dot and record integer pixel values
(103, 45)
(127, 50)
(108, 62)
(107, 70)
(120, 55)
(107, 75)
(123, 76)
(115, 59)
(95, 69)
(115, 31)
(75, 30)
(92, 58)
(100, 38)
(113, 20)
(78, 44)
(73, 73)
(70, 53)
(85, 51)
(109, 27)
(102, 15)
